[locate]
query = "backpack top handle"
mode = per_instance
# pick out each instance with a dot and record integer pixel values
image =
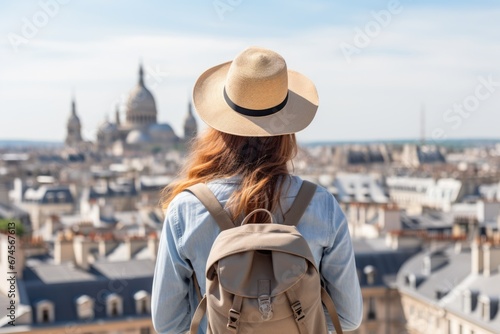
(247, 218)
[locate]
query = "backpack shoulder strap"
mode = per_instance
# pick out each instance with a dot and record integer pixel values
(299, 205)
(332, 311)
(208, 199)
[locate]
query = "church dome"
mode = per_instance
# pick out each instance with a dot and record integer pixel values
(107, 127)
(141, 105)
(162, 132)
(107, 133)
(137, 137)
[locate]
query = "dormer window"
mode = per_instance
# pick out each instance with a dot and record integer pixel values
(488, 307)
(50, 197)
(370, 274)
(142, 302)
(85, 307)
(371, 315)
(469, 301)
(114, 305)
(61, 197)
(45, 316)
(45, 311)
(413, 281)
(114, 309)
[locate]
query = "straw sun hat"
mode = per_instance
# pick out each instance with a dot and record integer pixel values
(255, 95)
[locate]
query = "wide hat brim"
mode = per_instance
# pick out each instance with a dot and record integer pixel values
(211, 106)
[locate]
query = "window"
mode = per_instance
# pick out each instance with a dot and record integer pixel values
(485, 310)
(142, 302)
(50, 197)
(85, 307)
(466, 301)
(61, 196)
(371, 309)
(114, 305)
(144, 307)
(45, 315)
(114, 309)
(44, 311)
(485, 304)
(370, 274)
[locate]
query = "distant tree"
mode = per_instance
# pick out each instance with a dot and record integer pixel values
(4, 226)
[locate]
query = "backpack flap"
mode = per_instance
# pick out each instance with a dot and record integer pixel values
(240, 273)
(270, 237)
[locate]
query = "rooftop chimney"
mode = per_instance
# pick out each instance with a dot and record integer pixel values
(63, 249)
(389, 218)
(476, 257)
(488, 211)
(82, 251)
(491, 257)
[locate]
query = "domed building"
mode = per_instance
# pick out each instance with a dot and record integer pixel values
(141, 105)
(140, 133)
(73, 128)
(137, 137)
(107, 134)
(162, 133)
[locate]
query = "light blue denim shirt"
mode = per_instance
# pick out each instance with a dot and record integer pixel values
(188, 234)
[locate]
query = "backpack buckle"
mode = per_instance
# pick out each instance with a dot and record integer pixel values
(297, 311)
(233, 320)
(265, 307)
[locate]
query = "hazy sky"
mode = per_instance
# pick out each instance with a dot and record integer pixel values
(375, 63)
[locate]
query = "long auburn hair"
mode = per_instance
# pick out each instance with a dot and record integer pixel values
(262, 162)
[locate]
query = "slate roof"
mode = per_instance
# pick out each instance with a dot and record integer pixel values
(386, 261)
(429, 220)
(113, 190)
(444, 286)
(430, 154)
(64, 295)
(49, 194)
(359, 188)
(63, 283)
(130, 269)
(154, 183)
(51, 273)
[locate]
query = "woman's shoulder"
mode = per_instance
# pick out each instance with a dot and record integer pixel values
(220, 187)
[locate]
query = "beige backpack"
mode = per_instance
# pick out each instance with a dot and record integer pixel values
(261, 278)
